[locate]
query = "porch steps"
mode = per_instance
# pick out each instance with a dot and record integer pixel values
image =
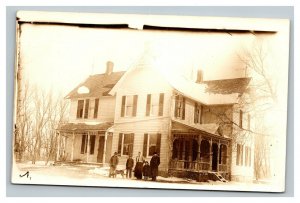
(218, 177)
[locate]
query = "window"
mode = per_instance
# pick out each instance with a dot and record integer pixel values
(84, 142)
(247, 156)
(179, 107)
(86, 108)
(198, 113)
(80, 108)
(96, 108)
(151, 144)
(241, 119)
(125, 146)
(83, 108)
(154, 106)
(239, 155)
(129, 106)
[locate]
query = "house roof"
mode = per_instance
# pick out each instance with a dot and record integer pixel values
(227, 86)
(97, 85)
(75, 127)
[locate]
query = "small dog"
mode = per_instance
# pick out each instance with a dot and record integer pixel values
(121, 172)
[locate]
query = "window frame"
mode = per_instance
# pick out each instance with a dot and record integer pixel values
(122, 144)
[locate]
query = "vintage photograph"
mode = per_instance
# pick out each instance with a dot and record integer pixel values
(146, 101)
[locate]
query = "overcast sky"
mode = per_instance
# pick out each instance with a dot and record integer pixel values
(60, 57)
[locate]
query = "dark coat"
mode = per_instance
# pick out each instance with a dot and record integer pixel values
(129, 163)
(155, 161)
(147, 170)
(114, 160)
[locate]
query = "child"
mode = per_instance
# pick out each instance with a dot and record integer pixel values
(146, 171)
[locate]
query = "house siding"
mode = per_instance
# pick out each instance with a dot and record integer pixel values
(106, 110)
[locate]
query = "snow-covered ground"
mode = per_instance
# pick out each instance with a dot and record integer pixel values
(94, 175)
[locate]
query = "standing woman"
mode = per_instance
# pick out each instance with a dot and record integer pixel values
(138, 170)
(154, 163)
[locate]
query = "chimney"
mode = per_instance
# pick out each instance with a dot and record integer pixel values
(109, 67)
(199, 76)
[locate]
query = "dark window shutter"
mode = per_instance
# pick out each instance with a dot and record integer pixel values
(86, 109)
(83, 143)
(241, 119)
(158, 143)
(148, 104)
(123, 106)
(176, 106)
(201, 114)
(92, 143)
(196, 116)
(96, 108)
(183, 108)
(135, 98)
(120, 143)
(161, 104)
(130, 150)
(145, 147)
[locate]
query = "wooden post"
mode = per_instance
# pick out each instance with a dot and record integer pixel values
(211, 154)
(104, 150)
(218, 155)
(199, 151)
(72, 150)
(88, 147)
(190, 158)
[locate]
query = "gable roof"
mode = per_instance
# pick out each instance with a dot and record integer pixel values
(227, 86)
(213, 92)
(98, 85)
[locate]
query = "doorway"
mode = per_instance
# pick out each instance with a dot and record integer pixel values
(100, 149)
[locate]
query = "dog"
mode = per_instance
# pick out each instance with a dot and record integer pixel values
(117, 171)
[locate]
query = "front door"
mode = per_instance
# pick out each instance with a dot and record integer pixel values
(100, 149)
(214, 163)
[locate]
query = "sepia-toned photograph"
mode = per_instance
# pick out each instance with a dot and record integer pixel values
(150, 101)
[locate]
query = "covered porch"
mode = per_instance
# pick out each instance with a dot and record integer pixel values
(84, 143)
(196, 153)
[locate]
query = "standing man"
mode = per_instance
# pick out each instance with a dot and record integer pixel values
(154, 163)
(129, 166)
(138, 170)
(114, 160)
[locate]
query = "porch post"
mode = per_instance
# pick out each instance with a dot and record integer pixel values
(72, 150)
(218, 155)
(190, 158)
(88, 147)
(104, 150)
(199, 151)
(210, 154)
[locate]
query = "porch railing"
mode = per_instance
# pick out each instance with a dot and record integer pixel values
(194, 165)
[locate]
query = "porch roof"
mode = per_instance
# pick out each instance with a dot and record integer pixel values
(206, 129)
(79, 127)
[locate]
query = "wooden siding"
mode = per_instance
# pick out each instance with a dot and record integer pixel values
(208, 115)
(106, 110)
(139, 129)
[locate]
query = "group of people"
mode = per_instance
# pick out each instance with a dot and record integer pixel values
(142, 167)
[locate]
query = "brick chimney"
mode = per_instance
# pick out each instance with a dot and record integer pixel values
(109, 67)
(199, 76)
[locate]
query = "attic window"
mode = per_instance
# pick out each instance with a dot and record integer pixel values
(83, 90)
